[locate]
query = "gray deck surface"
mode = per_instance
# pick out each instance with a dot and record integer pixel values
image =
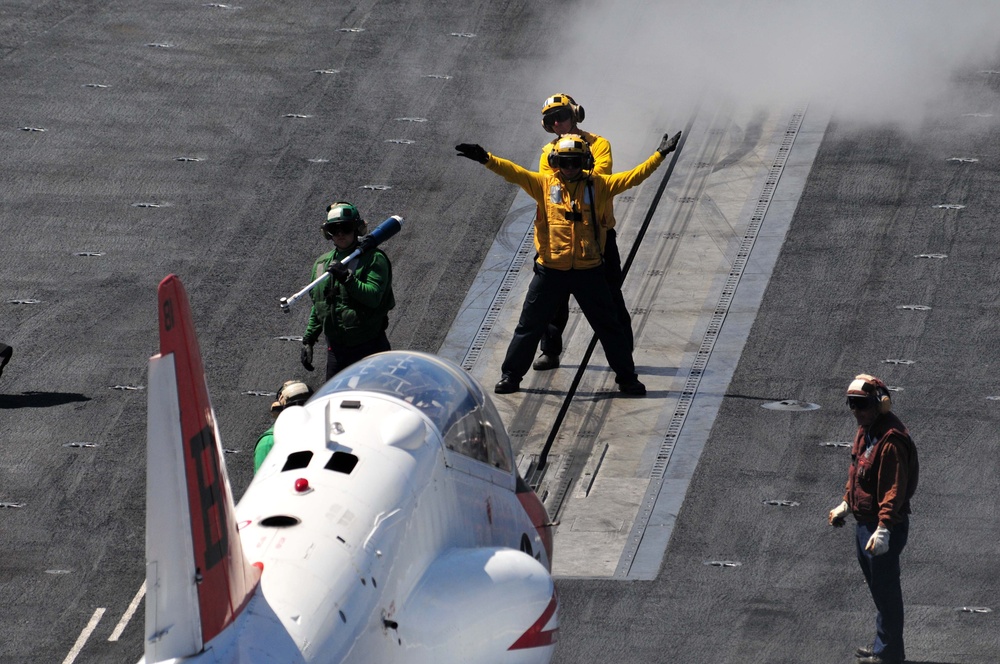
(128, 92)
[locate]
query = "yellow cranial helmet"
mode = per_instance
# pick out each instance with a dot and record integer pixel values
(571, 151)
(558, 105)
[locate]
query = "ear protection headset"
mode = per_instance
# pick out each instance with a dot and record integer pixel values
(870, 387)
(562, 100)
(571, 145)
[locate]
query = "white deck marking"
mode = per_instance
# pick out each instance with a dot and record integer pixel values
(620, 526)
(129, 612)
(84, 635)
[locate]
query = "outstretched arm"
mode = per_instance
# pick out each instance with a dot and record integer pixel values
(619, 182)
(530, 181)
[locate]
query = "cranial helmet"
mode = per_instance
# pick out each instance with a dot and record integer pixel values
(292, 393)
(871, 388)
(342, 212)
(571, 150)
(556, 103)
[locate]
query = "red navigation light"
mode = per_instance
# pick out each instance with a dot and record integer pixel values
(301, 485)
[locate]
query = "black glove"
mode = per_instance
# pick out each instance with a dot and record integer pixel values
(473, 152)
(339, 271)
(306, 356)
(668, 144)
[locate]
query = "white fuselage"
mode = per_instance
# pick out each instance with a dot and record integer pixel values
(343, 560)
(386, 524)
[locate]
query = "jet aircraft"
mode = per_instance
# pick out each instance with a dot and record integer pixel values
(388, 523)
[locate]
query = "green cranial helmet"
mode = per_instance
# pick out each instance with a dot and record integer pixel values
(340, 214)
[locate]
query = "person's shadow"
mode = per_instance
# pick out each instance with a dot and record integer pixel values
(39, 399)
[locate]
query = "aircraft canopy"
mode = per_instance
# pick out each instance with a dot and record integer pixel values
(467, 420)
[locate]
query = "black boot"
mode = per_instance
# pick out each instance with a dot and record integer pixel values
(546, 362)
(507, 385)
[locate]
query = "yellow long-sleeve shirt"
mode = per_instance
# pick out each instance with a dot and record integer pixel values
(565, 236)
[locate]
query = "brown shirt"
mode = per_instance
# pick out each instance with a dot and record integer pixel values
(883, 473)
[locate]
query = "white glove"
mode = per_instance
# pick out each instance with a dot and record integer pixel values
(838, 514)
(878, 543)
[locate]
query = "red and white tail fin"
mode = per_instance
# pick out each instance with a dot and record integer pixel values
(197, 577)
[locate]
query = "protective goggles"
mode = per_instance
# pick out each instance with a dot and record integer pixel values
(340, 228)
(559, 115)
(860, 403)
(569, 161)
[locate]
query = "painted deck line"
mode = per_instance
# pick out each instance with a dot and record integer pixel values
(673, 289)
(81, 640)
(129, 612)
(672, 488)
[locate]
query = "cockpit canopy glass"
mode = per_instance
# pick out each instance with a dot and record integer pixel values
(468, 421)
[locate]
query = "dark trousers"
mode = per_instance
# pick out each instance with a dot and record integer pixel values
(882, 575)
(340, 357)
(549, 287)
(552, 342)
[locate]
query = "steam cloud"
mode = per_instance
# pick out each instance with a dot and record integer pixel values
(638, 61)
